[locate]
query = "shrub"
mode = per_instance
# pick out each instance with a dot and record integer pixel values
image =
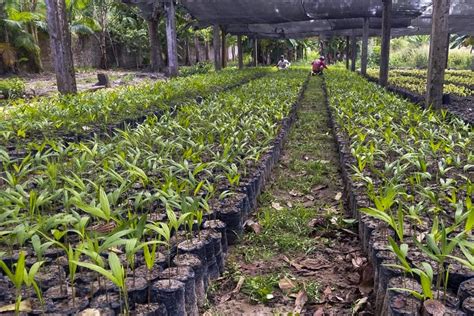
(12, 88)
(199, 68)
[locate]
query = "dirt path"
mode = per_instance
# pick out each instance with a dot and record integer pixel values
(300, 253)
(45, 84)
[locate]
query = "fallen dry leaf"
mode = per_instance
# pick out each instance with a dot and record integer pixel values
(293, 264)
(314, 264)
(289, 204)
(256, 227)
(277, 206)
(309, 197)
(338, 196)
(25, 306)
(360, 303)
(286, 285)
(318, 188)
(327, 292)
(224, 298)
(358, 262)
(90, 312)
(319, 312)
(295, 193)
(301, 300)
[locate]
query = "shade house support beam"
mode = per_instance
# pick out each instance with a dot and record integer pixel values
(255, 52)
(438, 53)
(347, 51)
(353, 50)
(217, 47)
(171, 38)
(385, 49)
(365, 47)
(240, 53)
(224, 47)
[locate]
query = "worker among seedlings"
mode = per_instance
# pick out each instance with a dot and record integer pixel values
(283, 63)
(318, 66)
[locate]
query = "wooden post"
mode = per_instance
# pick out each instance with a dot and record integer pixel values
(255, 52)
(347, 52)
(224, 47)
(240, 52)
(217, 48)
(385, 49)
(60, 40)
(171, 38)
(365, 47)
(156, 59)
(353, 50)
(438, 53)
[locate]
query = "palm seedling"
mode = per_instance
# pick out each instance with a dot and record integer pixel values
(116, 275)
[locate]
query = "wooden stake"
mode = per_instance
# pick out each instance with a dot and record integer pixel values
(385, 49)
(60, 40)
(171, 38)
(438, 53)
(365, 47)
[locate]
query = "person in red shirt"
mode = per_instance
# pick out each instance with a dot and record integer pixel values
(318, 66)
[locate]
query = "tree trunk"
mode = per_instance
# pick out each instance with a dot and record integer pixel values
(34, 35)
(103, 49)
(155, 47)
(208, 48)
(187, 57)
(217, 48)
(438, 54)
(240, 52)
(224, 47)
(385, 49)
(365, 48)
(197, 47)
(171, 39)
(60, 39)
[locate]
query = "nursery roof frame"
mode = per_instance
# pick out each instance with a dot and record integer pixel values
(306, 18)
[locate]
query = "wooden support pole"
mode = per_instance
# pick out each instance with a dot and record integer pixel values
(438, 53)
(171, 38)
(224, 47)
(347, 51)
(217, 48)
(365, 47)
(60, 41)
(240, 51)
(353, 50)
(385, 49)
(255, 52)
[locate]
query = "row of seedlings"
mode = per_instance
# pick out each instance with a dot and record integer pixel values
(408, 177)
(92, 225)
